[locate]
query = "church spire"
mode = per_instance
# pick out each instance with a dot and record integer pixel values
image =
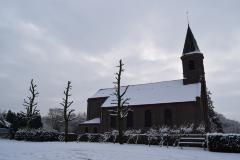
(190, 43)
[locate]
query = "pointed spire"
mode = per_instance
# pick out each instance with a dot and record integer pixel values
(190, 42)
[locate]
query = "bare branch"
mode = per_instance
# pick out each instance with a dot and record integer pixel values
(30, 104)
(125, 101)
(66, 104)
(69, 104)
(120, 111)
(124, 92)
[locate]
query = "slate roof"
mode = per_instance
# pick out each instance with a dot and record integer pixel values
(190, 44)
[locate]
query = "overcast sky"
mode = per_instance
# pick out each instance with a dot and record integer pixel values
(54, 41)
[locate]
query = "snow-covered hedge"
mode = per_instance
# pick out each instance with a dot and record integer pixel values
(41, 135)
(36, 135)
(218, 142)
(152, 137)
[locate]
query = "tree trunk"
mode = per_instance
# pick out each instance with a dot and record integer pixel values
(66, 131)
(120, 131)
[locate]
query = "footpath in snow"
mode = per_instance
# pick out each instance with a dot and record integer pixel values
(20, 150)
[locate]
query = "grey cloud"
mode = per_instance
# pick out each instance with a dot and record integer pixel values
(55, 41)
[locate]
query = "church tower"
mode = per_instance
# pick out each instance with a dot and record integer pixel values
(192, 60)
(193, 71)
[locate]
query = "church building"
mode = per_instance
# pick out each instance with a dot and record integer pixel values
(171, 103)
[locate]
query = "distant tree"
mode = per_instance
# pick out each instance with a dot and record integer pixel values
(12, 118)
(16, 120)
(36, 122)
(22, 121)
(67, 113)
(122, 103)
(215, 123)
(32, 115)
(229, 126)
(2, 113)
(55, 118)
(74, 124)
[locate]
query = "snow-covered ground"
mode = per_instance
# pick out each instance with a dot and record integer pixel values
(19, 150)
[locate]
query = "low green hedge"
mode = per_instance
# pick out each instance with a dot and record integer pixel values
(218, 142)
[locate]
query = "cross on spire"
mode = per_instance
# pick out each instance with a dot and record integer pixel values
(187, 18)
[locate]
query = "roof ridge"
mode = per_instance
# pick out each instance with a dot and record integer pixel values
(142, 84)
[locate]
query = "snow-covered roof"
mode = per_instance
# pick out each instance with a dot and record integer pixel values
(92, 121)
(154, 93)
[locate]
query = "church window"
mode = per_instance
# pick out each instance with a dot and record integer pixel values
(168, 117)
(95, 130)
(130, 119)
(148, 118)
(86, 130)
(191, 65)
(113, 121)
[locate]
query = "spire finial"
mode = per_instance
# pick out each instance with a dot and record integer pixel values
(190, 44)
(187, 17)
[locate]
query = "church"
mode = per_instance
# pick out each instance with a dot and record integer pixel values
(171, 103)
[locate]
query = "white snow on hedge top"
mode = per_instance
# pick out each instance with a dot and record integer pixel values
(154, 93)
(223, 134)
(92, 121)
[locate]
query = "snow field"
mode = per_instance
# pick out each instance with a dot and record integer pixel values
(20, 150)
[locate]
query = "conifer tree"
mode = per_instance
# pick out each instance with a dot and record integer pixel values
(215, 124)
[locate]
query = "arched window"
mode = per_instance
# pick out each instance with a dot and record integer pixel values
(113, 121)
(148, 118)
(95, 130)
(168, 117)
(191, 65)
(130, 119)
(86, 130)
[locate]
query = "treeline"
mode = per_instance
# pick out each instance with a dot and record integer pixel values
(54, 120)
(58, 119)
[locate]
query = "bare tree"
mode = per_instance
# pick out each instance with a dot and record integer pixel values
(67, 113)
(74, 124)
(55, 118)
(31, 105)
(121, 102)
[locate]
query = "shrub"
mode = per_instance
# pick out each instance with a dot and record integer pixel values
(82, 138)
(72, 137)
(41, 135)
(136, 138)
(218, 142)
(36, 135)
